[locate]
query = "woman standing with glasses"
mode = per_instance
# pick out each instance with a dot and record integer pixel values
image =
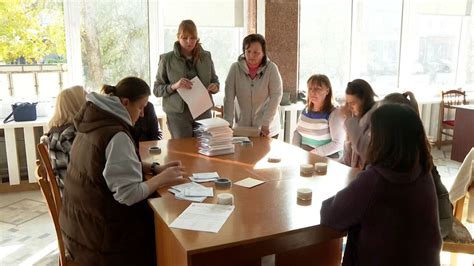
(175, 71)
(321, 125)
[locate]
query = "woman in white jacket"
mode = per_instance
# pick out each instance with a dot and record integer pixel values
(253, 89)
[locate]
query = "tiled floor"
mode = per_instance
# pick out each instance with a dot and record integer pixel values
(27, 235)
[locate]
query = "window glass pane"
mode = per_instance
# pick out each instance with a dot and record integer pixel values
(434, 41)
(434, 46)
(48, 84)
(325, 31)
(4, 93)
(376, 42)
(114, 41)
(32, 33)
(24, 85)
(465, 73)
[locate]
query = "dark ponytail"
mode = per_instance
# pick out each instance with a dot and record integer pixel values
(108, 89)
(132, 88)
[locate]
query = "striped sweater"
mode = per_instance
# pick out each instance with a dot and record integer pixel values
(324, 132)
(314, 128)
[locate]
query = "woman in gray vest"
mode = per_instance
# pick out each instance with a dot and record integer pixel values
(175, 70)
(105, 219)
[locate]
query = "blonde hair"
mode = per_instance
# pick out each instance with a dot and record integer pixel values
(68, 103)
(187, 27)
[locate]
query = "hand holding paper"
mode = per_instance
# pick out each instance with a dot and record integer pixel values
(182, 83)
(197, 98)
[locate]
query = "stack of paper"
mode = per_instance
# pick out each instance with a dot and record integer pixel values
(204, 177)
(191, 191)
(240, 140)
(214, 137)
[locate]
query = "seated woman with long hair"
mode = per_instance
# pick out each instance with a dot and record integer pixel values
(321, 125)
(445, 208)
(390, 209)
(360, 104)
(62, 131)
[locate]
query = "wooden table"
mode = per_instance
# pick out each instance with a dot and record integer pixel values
(268, 219)
(463, 138)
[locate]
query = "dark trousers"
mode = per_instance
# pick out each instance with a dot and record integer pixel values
(181, 125)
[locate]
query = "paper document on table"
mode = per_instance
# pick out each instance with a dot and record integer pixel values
(249, 182)
(203, 217)
(199, 192)
(204, 177)
(197, 98)
(239, 140)
(179, 193)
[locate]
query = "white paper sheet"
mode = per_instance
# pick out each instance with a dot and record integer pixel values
(206, 175)
(249, 182)
(197, 98)
(239, 140)
(178, 191)
(214, 122)
(203, 217)
(199, 192)
(202, 180)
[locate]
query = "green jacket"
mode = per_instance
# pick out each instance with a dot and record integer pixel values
(171, 68)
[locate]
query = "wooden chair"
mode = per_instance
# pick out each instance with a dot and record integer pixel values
(459, 239)
(50, 189)
(449, 100)
(217, 111)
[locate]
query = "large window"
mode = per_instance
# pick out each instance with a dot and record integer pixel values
(436, 43)
(419, 45)
(376, 42)
(325, 31)
(32, 48)
(114, 41)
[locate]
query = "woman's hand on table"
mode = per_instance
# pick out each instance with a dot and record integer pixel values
(161, 168)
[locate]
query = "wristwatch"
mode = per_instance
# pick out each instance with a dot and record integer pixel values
(152, 168)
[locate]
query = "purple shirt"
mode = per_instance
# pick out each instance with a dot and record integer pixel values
(391, 218)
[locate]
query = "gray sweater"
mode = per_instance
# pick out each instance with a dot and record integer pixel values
(358, 139)
(123, 169)
(253, 103)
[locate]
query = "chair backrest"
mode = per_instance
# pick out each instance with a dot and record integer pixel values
(449, 99)
(453, 97)
(460, 240)
(217, 111)
(49, 188)
(50, 176)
